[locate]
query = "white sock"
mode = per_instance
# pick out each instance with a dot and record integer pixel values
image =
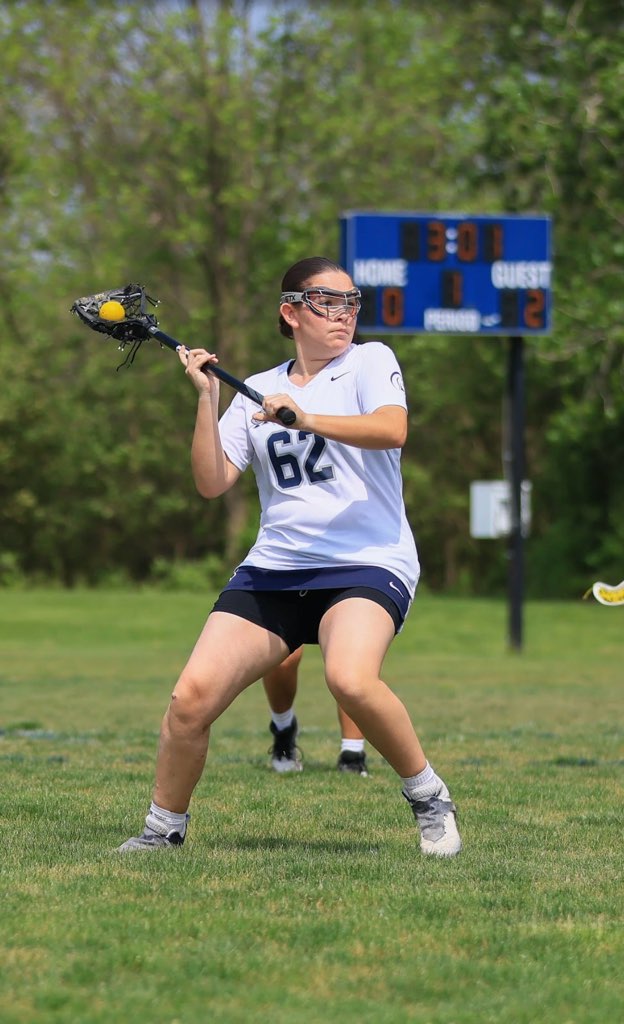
(424, 784)
(282, 719)
(356, 746)
(159, 817)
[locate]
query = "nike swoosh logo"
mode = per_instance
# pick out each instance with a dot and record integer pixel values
(394, 587)
(339, 375)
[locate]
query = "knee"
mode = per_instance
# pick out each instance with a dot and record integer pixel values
(348, 686)
(187, 709)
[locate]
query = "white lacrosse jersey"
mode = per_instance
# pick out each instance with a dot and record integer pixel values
(324, 503)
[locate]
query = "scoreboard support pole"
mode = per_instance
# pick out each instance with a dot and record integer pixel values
(514, 458)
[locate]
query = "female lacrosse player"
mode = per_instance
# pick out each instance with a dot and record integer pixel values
(334, 562)
(280, 685)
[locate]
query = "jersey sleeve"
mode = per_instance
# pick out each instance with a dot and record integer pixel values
(234, 433)
(380, 381)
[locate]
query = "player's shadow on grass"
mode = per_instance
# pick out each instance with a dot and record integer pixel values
(273, 843)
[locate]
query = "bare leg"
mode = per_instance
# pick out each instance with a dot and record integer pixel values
(348, 728)
(280, 684)
(354, 638)
(229, 655)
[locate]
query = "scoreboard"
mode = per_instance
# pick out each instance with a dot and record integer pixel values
(445, 273)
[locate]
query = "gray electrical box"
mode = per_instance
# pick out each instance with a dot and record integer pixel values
(490, 508)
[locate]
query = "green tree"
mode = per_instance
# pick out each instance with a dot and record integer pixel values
(554, 141)
(202, 147)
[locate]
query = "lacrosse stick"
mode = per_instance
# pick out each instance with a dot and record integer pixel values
(122, 314)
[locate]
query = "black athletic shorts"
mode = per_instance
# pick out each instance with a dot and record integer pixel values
(295, 615)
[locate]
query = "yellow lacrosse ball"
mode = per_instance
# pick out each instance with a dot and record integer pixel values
(112, 310)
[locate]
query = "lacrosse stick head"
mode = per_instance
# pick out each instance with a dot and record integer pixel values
(612, 596)
(120, 313)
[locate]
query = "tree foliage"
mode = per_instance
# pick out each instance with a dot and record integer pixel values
(201, 148)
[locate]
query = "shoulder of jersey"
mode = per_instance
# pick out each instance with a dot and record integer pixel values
(369, 349)
(266, 377)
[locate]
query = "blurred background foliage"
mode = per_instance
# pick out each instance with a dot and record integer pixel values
(201, 148)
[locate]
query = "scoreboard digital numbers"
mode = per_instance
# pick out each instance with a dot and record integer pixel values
(426, 273)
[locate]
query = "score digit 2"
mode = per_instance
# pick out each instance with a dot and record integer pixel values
(535, 309)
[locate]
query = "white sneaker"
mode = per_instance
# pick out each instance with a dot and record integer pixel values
(436, 816)
(155, 836)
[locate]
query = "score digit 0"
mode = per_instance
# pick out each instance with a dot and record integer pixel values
(392, 307)
(467, 242)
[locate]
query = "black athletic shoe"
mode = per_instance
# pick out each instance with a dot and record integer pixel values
(353, 761)
(285, 754)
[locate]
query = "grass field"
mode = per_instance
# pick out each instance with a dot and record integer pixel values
(305, 898)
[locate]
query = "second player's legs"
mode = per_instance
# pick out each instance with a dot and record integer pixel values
(348, 728)
(280, 683)
(280, 686)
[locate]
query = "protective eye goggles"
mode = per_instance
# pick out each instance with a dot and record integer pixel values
(327, 302)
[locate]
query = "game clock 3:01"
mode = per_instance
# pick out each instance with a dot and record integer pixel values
(449, 273)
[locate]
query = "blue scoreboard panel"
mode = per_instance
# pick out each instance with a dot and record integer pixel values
(445, 273)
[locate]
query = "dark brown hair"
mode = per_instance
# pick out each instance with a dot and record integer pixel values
(298, 276)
